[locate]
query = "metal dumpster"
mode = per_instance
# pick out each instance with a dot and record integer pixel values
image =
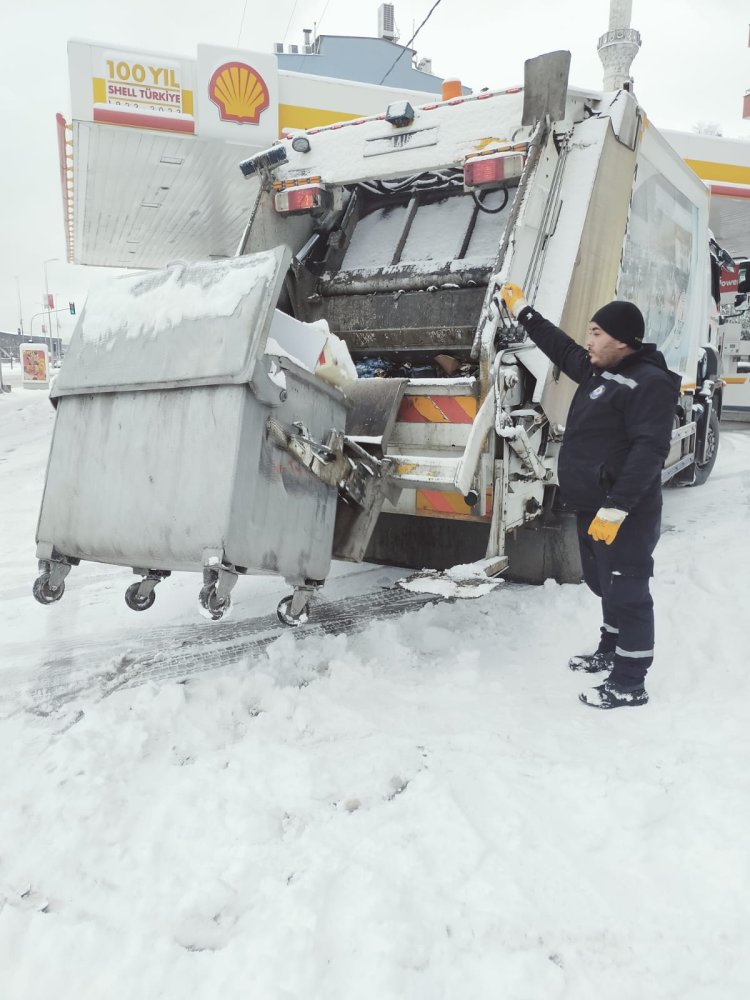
(179, 445)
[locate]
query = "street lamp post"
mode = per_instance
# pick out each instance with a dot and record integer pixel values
(47, 305)
(20, 313)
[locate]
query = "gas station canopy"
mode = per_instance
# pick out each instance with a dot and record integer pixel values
(145, 198)
(724, 165)
(150, 160)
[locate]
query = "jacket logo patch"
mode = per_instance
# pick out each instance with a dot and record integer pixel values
(597, 392)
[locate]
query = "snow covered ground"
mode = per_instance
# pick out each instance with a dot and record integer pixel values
(419, 809)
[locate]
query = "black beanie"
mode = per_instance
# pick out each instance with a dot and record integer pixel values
(623, 321)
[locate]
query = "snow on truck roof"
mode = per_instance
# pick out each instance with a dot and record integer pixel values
(351, 151)
(437, 137)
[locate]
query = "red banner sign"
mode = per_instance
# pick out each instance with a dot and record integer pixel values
(729, 281)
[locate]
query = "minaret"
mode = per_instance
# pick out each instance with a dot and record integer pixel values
(746, 105)
(619, 46)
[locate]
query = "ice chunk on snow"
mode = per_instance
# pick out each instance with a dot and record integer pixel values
(454, 582)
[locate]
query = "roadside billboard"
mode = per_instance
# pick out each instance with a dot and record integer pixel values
(34, 366)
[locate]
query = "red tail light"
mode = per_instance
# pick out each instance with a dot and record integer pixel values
(302, 198)
(492, 169)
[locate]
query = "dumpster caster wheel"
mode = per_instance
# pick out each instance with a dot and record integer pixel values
(44, 593)
(210, 604)
(136, 603)
(285, 616)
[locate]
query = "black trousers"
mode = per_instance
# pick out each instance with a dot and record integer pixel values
(619, 574)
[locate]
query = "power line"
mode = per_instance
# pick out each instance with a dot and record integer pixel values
(289, 21)
(390, 70)
(320, 19)
(316, 27)
(242, 24)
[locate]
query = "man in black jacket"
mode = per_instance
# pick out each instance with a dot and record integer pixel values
(616, 439)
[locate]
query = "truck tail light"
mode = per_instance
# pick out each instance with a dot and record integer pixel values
(492, 169)
(301, 198)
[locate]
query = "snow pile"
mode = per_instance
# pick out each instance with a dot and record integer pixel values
(418, 809)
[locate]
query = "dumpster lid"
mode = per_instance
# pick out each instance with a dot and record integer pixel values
(189, 324)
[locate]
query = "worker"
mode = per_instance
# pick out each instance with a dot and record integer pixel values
(616, 440)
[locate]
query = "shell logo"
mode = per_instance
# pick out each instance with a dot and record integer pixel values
(240, 94)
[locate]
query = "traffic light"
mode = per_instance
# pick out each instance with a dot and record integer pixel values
(72, 307)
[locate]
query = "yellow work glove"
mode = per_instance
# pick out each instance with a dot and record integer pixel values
(512, 296)
(606, 524)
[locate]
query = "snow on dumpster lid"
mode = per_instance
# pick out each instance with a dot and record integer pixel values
(197, 324)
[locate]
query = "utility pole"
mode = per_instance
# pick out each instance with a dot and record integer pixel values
(58, 342)
(20, 313)
(47, 304)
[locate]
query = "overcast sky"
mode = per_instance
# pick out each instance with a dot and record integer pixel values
(694, 66)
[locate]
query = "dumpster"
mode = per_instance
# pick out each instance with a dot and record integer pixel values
(180, 445)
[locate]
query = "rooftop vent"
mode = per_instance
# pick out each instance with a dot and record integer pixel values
(387, 22)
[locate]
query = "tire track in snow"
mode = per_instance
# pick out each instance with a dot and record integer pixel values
(181, 651)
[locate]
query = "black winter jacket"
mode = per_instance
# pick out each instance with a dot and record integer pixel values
(619, 424)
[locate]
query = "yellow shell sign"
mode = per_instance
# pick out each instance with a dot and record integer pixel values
(240, 94)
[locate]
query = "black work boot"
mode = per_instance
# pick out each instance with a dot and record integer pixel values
(602, 659)
(593, 663)
(611, 695)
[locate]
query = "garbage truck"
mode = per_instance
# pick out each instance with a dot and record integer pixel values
(193, 434)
